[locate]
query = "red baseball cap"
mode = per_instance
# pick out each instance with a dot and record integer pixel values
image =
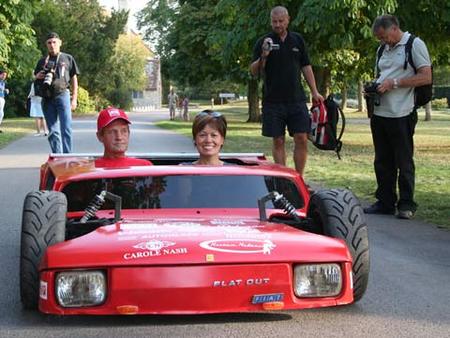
(110, 114)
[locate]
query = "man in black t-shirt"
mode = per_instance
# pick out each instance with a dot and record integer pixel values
(281, 57)
(53, 74)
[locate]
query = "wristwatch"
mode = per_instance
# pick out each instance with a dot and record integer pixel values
(395, 86)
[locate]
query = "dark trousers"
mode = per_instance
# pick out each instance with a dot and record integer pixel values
(394, 150)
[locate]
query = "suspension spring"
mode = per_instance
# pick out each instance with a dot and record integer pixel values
(282, 202)
(93, 207)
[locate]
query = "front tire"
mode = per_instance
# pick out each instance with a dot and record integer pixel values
(337, 213)
(43, 224)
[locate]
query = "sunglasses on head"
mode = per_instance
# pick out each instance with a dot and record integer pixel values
(210, 113)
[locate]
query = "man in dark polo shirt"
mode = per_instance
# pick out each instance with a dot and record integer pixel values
(281, 57)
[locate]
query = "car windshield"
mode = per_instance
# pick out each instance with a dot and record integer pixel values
(183, 191)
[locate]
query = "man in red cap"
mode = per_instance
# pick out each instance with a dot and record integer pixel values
(114, 132)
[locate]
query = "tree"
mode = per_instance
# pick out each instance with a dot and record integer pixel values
(16, 34)
(18, 52)
(234, 32)
(182, 30)
(433, 27)
(128, 65)
(158, 18)
(341, 42)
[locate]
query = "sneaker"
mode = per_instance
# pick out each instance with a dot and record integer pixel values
(37, 134)
(405, 214)
(378, 209)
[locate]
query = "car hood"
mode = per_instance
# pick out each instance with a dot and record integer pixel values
(193, 241)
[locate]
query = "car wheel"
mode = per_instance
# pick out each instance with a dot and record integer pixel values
(337, 213)
(43, 224)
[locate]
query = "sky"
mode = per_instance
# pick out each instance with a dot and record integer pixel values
(134, 5)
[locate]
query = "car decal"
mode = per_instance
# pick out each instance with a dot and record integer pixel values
(241, 282)
(265, 298)
(241, 246)
(153, 245)
(154, 248)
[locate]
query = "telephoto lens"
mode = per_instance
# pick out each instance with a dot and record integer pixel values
(48, 79)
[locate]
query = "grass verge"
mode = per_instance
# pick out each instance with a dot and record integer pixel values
(15, 128)
(355, 169)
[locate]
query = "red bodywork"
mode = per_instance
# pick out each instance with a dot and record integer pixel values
(188, 261)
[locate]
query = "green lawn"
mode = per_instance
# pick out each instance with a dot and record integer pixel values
(355, 170)
(14, 129)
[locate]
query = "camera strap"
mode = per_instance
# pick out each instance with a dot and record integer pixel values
(48, 58)
(379, 54)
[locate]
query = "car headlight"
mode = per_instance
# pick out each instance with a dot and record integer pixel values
(80, 288)
(317, 280)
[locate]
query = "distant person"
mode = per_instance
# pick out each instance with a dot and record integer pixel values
(180, 106)
(282, 56)
(3, 92)
(393, 121)
(208, 131)
(113, 131)
(37, 113)
(54, 74)
(172, 100)
(185, 105)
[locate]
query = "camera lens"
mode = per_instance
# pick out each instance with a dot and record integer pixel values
(48, 78)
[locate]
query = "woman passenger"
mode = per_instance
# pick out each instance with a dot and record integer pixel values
(208, 131)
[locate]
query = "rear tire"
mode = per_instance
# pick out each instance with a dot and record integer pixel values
(337, 213)
(43, 224)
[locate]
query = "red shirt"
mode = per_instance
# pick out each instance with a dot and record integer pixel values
(104, 162)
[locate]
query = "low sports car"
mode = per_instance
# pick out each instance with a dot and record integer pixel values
(177, 238)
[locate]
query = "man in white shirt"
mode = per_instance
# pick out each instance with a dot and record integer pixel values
(394, 119)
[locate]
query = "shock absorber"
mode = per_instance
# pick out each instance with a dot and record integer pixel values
(93, 207)
(282, 202)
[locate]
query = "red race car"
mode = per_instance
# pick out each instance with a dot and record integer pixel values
(187, 239)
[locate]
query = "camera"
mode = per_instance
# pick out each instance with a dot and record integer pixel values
(274, 46)
(48, 79)
(268, 45)
(49, 70)
(372, 96)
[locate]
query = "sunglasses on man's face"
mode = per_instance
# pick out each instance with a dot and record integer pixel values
(210, 113)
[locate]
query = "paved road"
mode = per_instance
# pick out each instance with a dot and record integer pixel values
(408, 294)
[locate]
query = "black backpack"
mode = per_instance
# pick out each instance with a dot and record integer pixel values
(422, 94)
(324, 124)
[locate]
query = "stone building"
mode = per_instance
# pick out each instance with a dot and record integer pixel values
(151, 96)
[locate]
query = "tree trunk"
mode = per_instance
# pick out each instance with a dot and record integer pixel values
(344, 93)
(361, 101)
(323, 80)
(428, 111)
(254, 113)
